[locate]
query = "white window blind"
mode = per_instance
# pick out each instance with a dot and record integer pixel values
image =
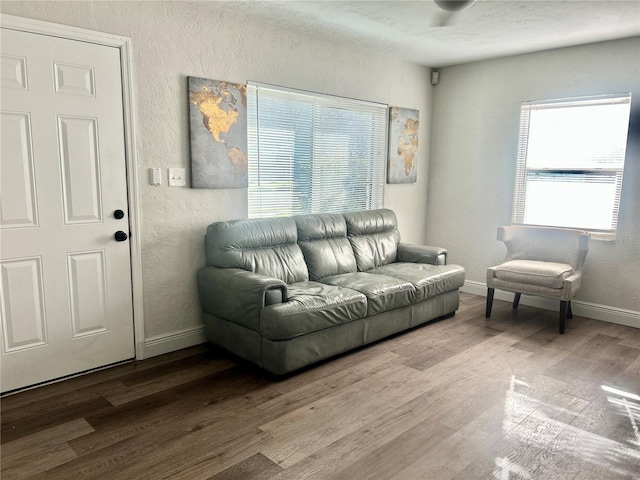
(571, 156)
(311, 153)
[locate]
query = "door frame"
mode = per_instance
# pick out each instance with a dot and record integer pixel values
(133, 196)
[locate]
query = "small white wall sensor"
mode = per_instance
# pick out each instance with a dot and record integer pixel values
(155, 176)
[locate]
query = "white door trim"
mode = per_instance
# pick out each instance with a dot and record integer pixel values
(124, 45)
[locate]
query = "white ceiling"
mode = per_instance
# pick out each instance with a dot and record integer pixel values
(412, 30)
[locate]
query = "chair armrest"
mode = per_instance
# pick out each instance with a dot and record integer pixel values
(491, 274)
(570, 286)
(238, 295)
(421, 254)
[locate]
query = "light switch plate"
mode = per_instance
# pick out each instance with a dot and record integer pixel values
(177, 177)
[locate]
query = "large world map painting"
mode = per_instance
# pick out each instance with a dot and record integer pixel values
(403, 145)
(218, 121)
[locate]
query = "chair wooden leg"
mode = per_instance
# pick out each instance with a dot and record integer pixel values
(516, 301)
(569, 312)
(564, 306)
(489, 301)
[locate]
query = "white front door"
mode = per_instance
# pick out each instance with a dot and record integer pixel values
(65, 281)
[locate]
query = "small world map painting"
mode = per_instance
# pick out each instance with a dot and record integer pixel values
(403, 145)
(218, 121)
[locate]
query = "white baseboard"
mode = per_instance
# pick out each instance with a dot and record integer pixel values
(605, 313)
(170, 342)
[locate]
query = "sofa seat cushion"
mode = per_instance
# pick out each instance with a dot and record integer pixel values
(428, 280)
(310, 307)
(383, 292)
(532, 272)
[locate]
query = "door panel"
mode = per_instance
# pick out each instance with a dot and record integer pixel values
(17, 182)
(14, 72)
(22, 304)
(66, 283)
(88, 293)
(77, 140)
(74, 79)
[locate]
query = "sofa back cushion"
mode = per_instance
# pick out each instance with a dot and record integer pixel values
(266, 246)
(324, 244)
(374, 237)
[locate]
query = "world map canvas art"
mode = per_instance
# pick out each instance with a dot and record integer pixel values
(218, 121)
(403, 145)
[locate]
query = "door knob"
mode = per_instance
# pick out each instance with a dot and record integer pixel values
(118, 214)
(120, 236)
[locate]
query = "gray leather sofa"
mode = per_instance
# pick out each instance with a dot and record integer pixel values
(284, 293)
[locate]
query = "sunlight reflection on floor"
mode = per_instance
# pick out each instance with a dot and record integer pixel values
(535, 424)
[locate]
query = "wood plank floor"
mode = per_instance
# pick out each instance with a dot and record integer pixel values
(463, 398)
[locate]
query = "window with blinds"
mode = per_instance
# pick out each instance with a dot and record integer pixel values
(311, 153)
(571, 156)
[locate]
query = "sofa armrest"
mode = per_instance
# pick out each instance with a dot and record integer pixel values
(238, 295)
(421, 254)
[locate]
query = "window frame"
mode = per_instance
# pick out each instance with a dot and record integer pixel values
(589, 175)
(314, 154)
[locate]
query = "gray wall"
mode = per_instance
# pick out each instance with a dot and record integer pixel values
(473, 158)
(173, 40)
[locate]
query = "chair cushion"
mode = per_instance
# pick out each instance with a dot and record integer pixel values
(310, 307)
(532, 272)
(383, 292)
(428, 280)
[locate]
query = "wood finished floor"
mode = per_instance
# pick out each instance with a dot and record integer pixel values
(464, 398)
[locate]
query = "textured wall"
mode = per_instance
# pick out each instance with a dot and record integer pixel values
(173, 40)
(473, 158)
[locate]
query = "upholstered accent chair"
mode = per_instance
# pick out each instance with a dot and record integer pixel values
(545, 262)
